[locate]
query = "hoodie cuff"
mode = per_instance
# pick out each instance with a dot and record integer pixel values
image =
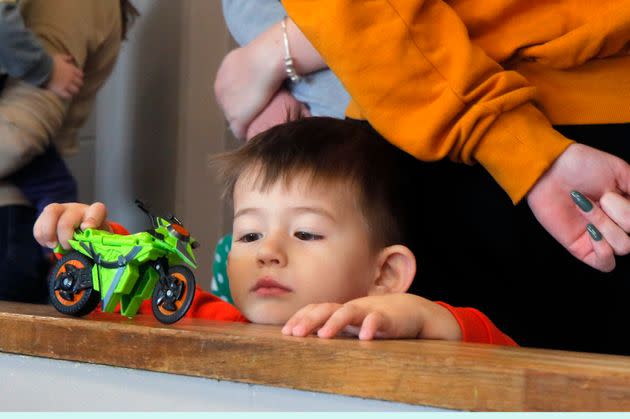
(518, 149)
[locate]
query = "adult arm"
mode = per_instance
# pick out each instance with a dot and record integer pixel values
(250, 90)
(259, 23)
(250, 76)
(247, 19)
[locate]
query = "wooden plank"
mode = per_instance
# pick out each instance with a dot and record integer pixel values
(443, 374)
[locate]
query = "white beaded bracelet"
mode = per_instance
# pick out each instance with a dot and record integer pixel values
(288, 60)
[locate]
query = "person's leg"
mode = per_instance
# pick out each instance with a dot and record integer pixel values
(23, 266)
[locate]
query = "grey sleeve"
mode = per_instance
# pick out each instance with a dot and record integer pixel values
(246, 19)
(21, 54)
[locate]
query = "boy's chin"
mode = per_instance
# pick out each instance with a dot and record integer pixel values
(267, 317)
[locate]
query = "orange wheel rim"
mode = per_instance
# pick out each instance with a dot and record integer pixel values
(77, 296)
(180, 301)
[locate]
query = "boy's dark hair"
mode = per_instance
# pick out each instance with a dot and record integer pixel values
(326, 149)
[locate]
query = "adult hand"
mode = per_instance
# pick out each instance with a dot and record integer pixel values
(602, 178)
(66, 79)
(387, 316)
(282, 107)
(247, 79)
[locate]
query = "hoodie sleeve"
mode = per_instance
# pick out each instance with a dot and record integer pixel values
(415, 75)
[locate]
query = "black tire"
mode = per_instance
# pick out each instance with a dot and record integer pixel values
(168, 308)
(70, 285)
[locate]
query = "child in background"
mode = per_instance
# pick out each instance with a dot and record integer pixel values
(318, 238)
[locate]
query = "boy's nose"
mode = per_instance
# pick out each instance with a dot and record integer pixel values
(271, 253)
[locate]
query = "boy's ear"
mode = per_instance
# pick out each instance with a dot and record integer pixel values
(395, 270)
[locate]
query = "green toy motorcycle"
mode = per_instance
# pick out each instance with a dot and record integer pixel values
(127, 270)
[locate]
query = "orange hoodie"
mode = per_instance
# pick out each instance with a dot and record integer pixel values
(477, 81)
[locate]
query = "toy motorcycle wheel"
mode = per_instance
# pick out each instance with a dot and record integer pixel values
(173, 297)
(70, 285)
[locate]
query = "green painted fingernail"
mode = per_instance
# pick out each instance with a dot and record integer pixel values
(594, 232)
(581, 201)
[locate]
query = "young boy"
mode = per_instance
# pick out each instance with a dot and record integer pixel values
(318, 238)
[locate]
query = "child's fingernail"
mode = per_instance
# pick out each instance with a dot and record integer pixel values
(51, 245)
(594, 232)
(581, 201)
(87, 224)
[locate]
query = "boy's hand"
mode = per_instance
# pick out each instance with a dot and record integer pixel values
(66, 79)
(384, 316)
(57, 222)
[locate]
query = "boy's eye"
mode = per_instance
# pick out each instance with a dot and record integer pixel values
(250, 237)
(303, 235)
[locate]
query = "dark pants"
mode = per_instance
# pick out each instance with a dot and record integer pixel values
(23, 266)
(474, 248)
(23, 263)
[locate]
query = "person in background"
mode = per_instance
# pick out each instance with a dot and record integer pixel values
(22, 57)
(37, 125)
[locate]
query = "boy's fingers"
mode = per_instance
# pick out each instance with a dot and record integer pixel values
(375, 325)
(94, 216)
(45, 228)
(287, 329)
(348, 315)
(68, 222)
(308, 319)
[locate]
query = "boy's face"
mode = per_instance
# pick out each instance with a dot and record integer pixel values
(296, 245)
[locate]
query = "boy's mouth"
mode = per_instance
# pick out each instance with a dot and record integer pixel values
(268, 287)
